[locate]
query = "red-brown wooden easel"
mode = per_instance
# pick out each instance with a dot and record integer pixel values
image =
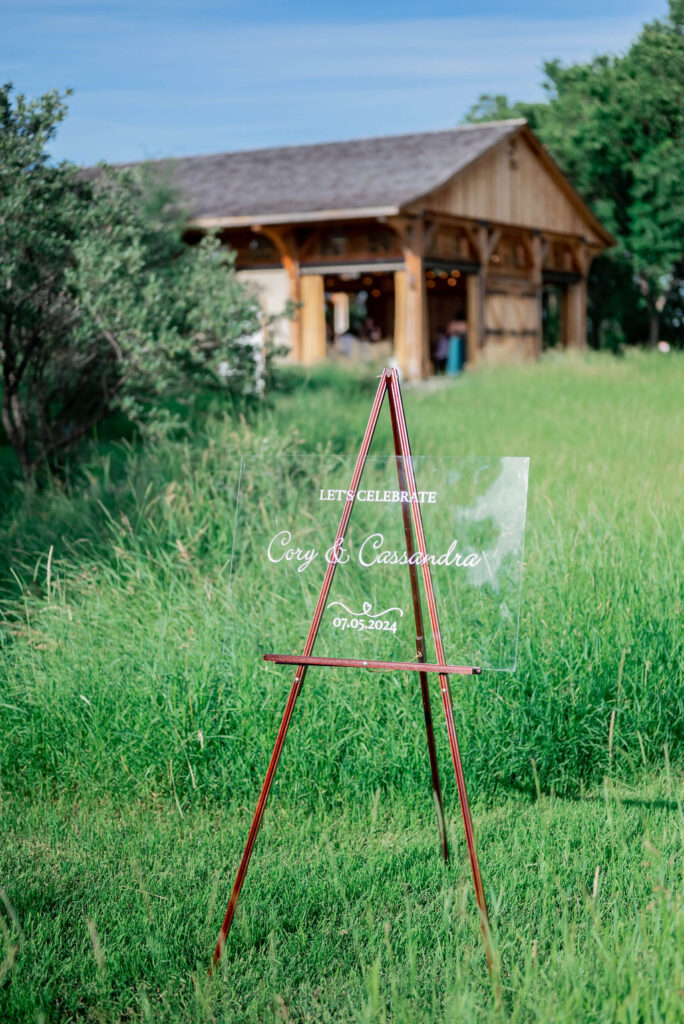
(389, 383)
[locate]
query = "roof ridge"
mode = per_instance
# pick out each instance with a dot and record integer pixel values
(511, 121)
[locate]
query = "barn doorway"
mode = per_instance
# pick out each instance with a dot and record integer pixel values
(447, 305)
(359, 314)
(552, 306)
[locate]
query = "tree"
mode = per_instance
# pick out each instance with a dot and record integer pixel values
(616, 127)
(493, 108)
(103, 308)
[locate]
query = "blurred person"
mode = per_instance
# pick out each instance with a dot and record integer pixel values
(457, 331)
(440, 350)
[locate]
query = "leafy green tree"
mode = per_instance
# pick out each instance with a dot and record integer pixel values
(493, 108)
(616, 127)
(103, 309)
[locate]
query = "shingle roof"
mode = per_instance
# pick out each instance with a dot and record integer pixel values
(361, 174)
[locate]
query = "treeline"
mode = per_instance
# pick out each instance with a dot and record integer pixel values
(616, 127)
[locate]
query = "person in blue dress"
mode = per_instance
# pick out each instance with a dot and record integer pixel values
(457, 331)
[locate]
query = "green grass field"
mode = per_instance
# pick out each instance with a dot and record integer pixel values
(135, 737)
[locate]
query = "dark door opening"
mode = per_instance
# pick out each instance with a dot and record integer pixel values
(359, 313)
(552, 306)
(447, 313)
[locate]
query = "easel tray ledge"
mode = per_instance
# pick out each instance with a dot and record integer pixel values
(398, 666)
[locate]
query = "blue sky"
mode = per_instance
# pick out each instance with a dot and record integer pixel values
(164, 78)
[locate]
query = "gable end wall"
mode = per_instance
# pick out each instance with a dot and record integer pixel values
(510, 186)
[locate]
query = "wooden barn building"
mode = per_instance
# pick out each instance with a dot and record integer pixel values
(405, 233)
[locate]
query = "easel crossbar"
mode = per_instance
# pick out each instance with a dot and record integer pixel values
(399, 666)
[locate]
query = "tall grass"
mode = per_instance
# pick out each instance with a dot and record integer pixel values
(135, 734)
(116, 673)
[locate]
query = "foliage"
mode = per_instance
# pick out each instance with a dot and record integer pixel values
(616, 127)
(495, 108)
(103, 309)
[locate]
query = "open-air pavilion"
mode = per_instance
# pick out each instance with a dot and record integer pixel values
(474, 223)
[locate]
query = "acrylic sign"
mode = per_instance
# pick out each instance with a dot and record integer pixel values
(473, 512)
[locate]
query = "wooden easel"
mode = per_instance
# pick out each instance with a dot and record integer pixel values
(413, 521)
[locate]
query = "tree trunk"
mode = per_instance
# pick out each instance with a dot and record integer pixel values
(12, 417)
(654, 329)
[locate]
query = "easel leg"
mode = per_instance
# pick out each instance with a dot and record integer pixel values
(301, 669)
(259, 813)
(465, 810)
(397, 408)
(434, 771)
(420, 636)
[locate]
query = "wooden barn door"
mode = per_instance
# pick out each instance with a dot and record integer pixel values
(512, 316)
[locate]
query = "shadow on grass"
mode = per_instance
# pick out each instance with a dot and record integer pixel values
(531, 796)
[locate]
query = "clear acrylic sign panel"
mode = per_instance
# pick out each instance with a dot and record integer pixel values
(287, 517)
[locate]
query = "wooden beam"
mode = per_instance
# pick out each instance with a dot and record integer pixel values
(401, 228)
(285, 243)
(296, 217)
(473, 235)
(493, 239)
(470, 226)
(527, 239)
(307, 247)
(580, 257)
(429, 235)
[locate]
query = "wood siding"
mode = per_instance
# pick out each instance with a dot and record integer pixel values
(512, 323)
(510, 186)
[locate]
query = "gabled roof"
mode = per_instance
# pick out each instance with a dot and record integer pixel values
(343, 180)
(373, 176)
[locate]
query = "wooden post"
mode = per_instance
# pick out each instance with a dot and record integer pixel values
(411, 319)
(575, 315)
(482, 242)
(312, 317)
(475, 289)
(537, 255)
(417, 327)
(400, 302)
(575, 299)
